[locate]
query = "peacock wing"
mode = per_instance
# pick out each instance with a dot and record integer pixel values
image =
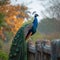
(27, 28)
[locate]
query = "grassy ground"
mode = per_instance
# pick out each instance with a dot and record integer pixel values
(3, 55)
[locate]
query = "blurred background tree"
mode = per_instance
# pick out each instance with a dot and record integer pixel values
(52, 8)
(4, 2)
(14, 16)
(1, 20)
(49, 25)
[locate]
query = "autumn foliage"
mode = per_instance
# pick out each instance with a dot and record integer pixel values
(14, 17)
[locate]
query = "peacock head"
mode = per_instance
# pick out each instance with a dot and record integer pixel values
(36, 15)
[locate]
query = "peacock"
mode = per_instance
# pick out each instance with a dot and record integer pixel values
(33, 28)
(18, 50)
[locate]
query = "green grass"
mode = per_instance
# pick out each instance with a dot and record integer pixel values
(3, 55)
(1, 44)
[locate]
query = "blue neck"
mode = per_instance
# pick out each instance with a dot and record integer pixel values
(35, 22)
